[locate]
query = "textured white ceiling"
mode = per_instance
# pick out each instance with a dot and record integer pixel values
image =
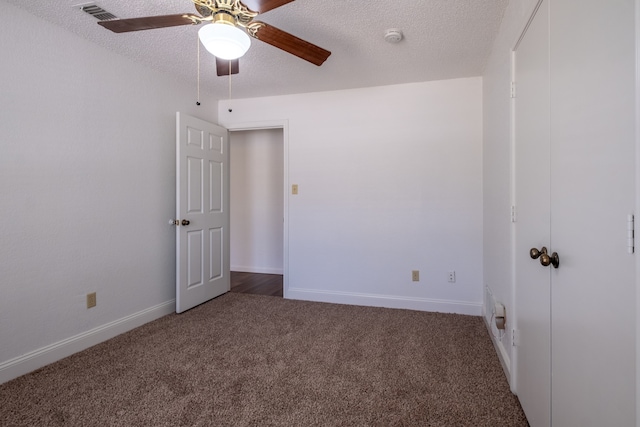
(444, 39)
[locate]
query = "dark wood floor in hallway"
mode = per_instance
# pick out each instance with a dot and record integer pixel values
(256, 283)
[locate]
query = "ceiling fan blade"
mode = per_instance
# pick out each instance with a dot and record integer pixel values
(223, 66)
(289, 43)
(262, 6)
(147, 23)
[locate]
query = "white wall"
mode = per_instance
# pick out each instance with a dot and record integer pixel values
(498, 233)
(257, 200)
(390, 180)
(87, 178)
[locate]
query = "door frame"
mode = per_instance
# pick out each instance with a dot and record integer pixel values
(284, 125)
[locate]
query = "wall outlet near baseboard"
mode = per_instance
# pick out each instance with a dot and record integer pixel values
(415, 275)
(452, 277)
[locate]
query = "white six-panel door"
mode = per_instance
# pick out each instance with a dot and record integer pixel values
(202, 211)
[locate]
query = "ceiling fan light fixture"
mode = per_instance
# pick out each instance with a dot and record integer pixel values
(224, 41)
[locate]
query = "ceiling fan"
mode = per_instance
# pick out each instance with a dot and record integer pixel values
(228, 17)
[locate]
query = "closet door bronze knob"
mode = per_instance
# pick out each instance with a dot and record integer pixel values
(535, 253)
(185, 222)
(553, 259)
(545, 260)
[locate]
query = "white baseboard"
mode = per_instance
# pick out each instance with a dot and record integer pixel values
(503, 356)
(388, 301)
(36, 359)
(262, 270)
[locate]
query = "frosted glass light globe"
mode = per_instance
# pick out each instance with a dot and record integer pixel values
(224, 41)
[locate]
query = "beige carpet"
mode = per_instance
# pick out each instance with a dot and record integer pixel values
(248, 360)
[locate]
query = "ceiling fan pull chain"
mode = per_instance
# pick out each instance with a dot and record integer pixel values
(229, 80)
(198, 85)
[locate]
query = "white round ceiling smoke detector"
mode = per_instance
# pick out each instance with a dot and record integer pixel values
(393, 35)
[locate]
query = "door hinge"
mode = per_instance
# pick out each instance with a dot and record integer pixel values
(515, 337)
(631, 244)
(514, 214)
(513, 89)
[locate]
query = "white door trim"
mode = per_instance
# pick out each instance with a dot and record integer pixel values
(284, 125)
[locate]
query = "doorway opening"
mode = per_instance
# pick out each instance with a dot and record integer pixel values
(257, 208)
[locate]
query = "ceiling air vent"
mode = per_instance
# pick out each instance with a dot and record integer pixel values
(96, 11)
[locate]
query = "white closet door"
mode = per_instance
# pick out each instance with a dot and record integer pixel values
(532, 290)
(575, 174)
(592, 192)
